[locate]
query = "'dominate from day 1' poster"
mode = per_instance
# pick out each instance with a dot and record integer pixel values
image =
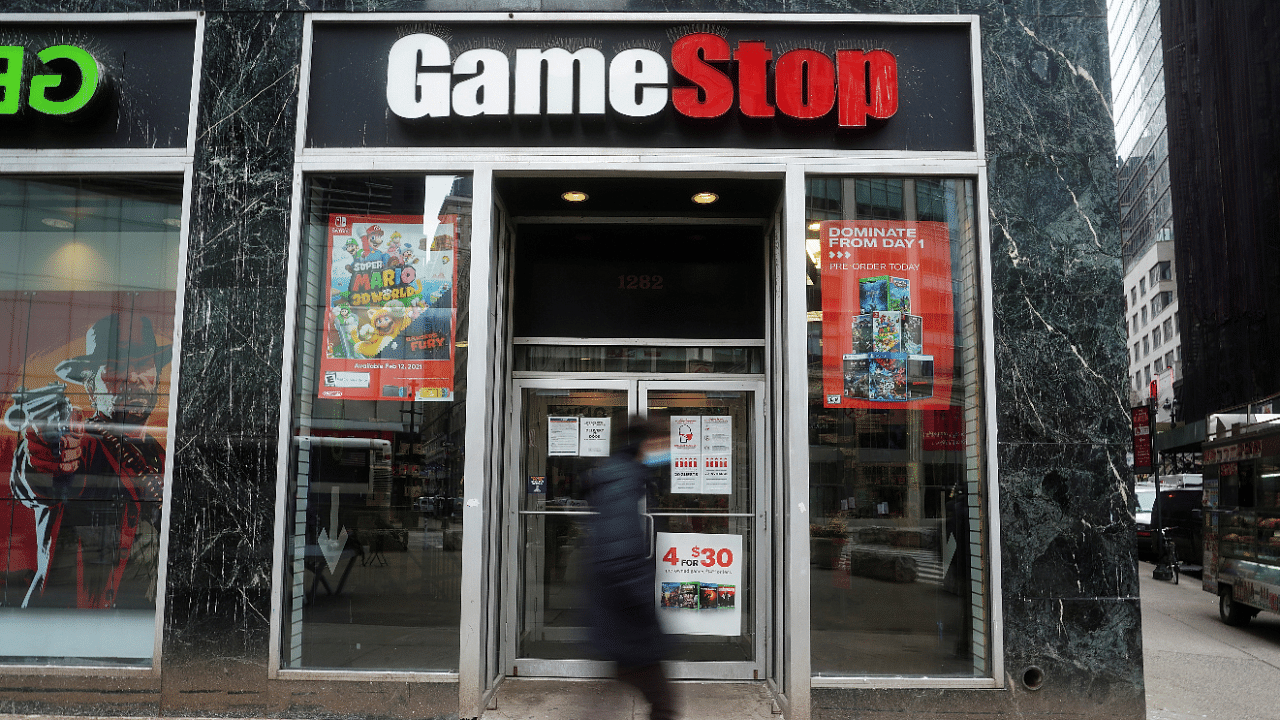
(390, 316)
(887, 325)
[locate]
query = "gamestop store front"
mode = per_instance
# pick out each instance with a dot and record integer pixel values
(410, 312)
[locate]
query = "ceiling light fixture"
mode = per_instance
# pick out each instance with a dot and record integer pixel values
(172, 222)
(58, 223)
(815, 226)
(705, 198)
(574, 196)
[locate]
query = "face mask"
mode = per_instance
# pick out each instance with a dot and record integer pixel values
(656, 459)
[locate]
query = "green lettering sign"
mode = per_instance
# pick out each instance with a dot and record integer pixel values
(10, 79)
(90, 76)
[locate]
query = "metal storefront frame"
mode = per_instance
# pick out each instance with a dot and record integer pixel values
(487, 351)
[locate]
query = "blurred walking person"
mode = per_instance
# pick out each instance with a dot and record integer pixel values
(620, 574)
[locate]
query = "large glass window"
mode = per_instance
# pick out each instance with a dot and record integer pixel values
(374, 532)
(899, 581)
(87, 296)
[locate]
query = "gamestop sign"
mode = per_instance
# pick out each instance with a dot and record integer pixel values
(617, 83)
(425, 80)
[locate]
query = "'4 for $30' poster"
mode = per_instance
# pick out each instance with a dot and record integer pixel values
(699, 581)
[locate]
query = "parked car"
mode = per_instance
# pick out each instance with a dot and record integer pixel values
(1180, 511)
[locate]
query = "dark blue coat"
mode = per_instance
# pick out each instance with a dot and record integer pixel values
(621, 598)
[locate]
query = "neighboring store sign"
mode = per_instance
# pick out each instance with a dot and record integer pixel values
(700, 584)
(389, 322)
(616, 83)
(1141, 421)
(60, 94)
(701, 454)
(76, 85)
(887, 332)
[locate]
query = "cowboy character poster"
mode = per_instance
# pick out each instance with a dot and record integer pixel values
(390, 316)
(86, 383)
(887, 322)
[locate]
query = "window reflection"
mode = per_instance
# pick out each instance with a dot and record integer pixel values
(375, 531)
(896, 488)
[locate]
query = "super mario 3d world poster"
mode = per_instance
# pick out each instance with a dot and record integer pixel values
(390, 315)
(888, 336)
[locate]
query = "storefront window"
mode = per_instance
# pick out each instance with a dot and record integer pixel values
(374, 532)
(899, 580)
(87, 297)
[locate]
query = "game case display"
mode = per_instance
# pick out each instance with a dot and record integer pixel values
(689, 594)
(912, 334)
(919, 377)
(862, 334)
(856, 376)
(899, 295)
(670, 595)
(728, 597)
(888, 376)
(710, 596)
(887, 330)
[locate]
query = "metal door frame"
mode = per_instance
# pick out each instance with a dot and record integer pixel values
(636, 386)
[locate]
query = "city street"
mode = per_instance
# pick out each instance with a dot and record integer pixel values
(1199, 667)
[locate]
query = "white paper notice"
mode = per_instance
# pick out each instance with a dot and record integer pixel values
(562, 436)
(701, 448)
(686, 435)
(717, 475)
(686, 474)
(700, 584)
(593, 437)
(717, 435)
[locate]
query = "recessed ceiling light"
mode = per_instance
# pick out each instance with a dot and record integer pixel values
(172, 222)
(705, 198)
(815, 226)
(574, 196)
(58, 223)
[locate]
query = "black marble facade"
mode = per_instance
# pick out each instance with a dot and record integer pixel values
(1069, 584)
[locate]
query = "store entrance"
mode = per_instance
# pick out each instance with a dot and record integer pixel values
(638, 303)
(703, 512)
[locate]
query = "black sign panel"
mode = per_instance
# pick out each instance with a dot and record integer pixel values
(143, 96)
(349, 105)
(639, 281)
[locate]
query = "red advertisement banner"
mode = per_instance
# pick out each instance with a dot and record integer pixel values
(390, 316)
(887, 322)
(1141, 417)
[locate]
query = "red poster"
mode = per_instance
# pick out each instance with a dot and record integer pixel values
(1141, 417)
(887, 324)
(390, 316)
(85, 388)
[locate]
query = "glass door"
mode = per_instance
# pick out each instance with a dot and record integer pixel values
(565, 429)
(706, 513)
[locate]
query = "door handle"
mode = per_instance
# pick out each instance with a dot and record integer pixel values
(653, 540)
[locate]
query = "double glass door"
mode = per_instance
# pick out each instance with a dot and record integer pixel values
(706, 514)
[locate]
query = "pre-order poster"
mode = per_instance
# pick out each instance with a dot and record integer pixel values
(887, 324)
(390, 315)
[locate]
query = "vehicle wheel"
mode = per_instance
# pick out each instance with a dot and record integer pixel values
(1232, 612)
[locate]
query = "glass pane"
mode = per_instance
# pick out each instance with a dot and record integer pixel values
(374, 567)
(86, 314)
(898, 583)
(707, 500)
(566, 433)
